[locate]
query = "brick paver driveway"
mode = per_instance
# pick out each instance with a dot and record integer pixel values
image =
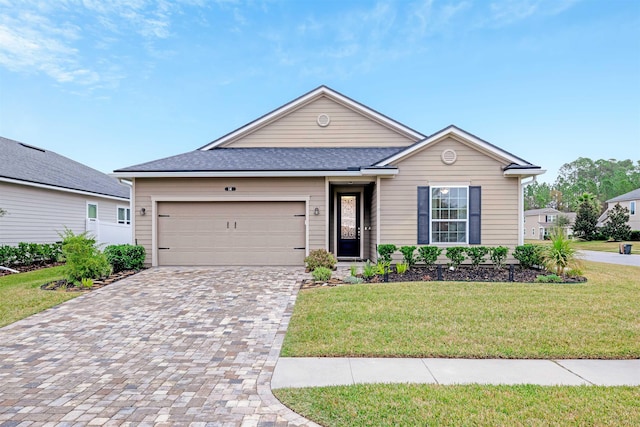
(173, 346)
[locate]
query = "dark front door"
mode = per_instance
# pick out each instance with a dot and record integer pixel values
(349, 225)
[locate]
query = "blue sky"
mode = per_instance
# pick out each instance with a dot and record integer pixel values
(121, 82)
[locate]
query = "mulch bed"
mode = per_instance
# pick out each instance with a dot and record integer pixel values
(464, 273)
(63, 285)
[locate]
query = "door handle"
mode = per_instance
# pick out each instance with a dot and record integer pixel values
(235, 225)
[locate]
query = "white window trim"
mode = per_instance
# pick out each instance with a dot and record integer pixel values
(126, 208)
(431, 219)
(87, 211)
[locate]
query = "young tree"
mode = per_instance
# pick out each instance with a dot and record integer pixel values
(586, 218)
(615, 226)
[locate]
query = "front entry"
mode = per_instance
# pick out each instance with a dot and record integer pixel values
(349, 225)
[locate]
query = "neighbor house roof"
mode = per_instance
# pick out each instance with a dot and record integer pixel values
(268, 159)
(25, 164)
(631, 195)
(541, 211)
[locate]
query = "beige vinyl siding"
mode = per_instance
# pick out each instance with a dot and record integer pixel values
(634, 220)
(300, 129)
(499, 220)
(246, 188)
(38, 215)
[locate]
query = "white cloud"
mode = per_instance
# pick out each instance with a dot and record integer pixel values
(507, 12)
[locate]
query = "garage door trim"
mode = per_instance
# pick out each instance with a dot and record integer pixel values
(158, 199)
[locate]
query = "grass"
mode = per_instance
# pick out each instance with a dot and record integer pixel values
(594, 245)
(434, 405)
(599, 319)
(21, 296)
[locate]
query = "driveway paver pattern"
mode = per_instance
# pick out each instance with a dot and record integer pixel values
(168, 346)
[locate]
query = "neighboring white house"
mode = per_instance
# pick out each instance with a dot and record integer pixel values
(631, 201)
(538, 222)
(42, 193)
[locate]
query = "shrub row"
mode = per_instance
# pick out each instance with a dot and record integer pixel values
(456, 254)
(26, 254)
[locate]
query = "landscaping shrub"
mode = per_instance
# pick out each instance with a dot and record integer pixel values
(559, 255)
(83, 258)
(402, 268)
(386, 252)
(30, 253)
(615, 226)
(407, 255)
(353, 270)
(498, 255)
(353, 280)
(528, 255)
(549, 278)
(383, 267)
(477, 254)
(321, 274)
(429, 254)
(368, 270)
(455, 255)
(634, 236)
(320, 258)
(125, 257)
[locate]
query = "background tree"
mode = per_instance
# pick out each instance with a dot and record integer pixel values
(586, 218)
(560, 225)
(537, 195)
(615, 226)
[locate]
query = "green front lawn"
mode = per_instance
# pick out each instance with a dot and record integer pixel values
(21, 296)
(594, 245)
(597, 319)
(434, 405)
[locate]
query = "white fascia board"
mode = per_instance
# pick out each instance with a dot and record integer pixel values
(459, 133)
(254, 174)
(65, 190)
(323, 90)
(524, 172)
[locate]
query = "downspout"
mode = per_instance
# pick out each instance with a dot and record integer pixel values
(521, 207)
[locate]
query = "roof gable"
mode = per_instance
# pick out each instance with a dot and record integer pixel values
(631, 195)
(320, 118)
(28, 165)
(514, 165)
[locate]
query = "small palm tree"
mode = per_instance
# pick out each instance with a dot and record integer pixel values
(560, 254)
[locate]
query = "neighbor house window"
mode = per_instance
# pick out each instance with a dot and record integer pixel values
(632, 208)
(449, 214)
(533, 231)
(124, 215)
(550, 218)
(92, 211)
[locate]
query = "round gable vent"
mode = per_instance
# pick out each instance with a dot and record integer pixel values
(323, 120)
(449, 157)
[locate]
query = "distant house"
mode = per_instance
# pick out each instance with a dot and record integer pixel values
(326, 172)
(43, 192)
(631, 201)
(539, 222)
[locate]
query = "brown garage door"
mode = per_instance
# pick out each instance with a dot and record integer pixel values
(231, 233)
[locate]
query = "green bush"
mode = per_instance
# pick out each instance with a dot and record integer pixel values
(477, 254)
(30, 253)
(125, 257)
(429, 254)
(634, 236)
(83, 258)
(455, 255)
(407, 255)
(368, 270)
(549, 278)
(528, 255)
(353, 270)
(321, 274)
(383, 267)
(386, 252)
(559, 255)
(498, 255)
(320, 258)
(353, 280)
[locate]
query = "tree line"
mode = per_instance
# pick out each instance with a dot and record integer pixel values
(604, 179)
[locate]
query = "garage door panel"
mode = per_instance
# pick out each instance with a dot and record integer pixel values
(231, 233)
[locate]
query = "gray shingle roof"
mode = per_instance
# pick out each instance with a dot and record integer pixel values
(24, 162)
(631, 195)
(268, 159)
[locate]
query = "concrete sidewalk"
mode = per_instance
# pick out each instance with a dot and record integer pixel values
(318, 372)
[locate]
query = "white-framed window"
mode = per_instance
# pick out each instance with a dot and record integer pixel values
(449, 214)
(632, 207)
(124, 215)
(92, 211)
(550, 218)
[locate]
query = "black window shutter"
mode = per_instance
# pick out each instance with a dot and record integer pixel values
(475, 202)
(423, 215)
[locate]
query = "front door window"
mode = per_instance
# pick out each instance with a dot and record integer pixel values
(349, 225)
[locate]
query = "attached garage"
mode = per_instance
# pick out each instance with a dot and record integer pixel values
(231, 233)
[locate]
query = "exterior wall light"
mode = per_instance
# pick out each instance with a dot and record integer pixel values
(143, 211)
(316, 211)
